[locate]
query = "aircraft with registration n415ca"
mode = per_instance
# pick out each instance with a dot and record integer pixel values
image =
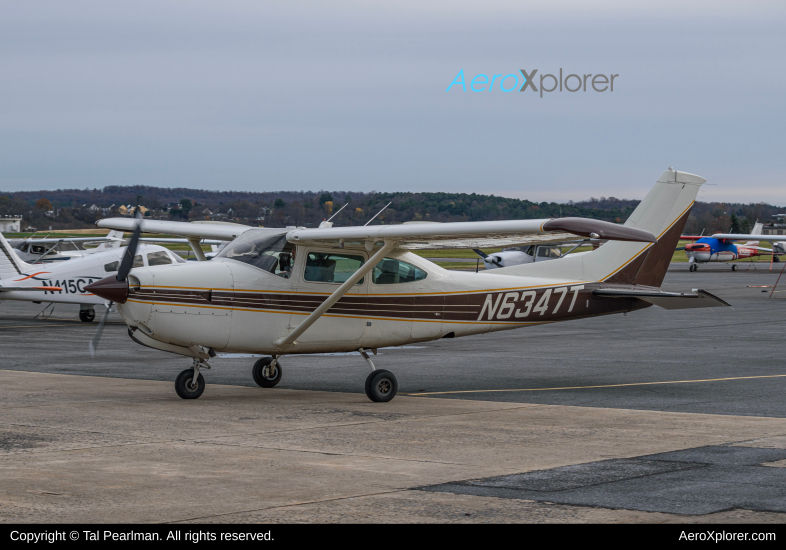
(65, 282)
(337, 289)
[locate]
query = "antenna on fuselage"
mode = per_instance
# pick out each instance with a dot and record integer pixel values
(339, 210)
(377, 214)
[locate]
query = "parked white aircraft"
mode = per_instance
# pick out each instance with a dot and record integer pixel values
(529, 254)
(338, 289)
(63, 248)
(65, 282)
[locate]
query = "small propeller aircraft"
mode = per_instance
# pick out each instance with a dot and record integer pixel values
(720, 248)
(66, 282)
(54, 249)
(519, 255)
(337, 289)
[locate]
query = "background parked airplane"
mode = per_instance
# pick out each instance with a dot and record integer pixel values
(721, 248)
(69, 279)
(520, 255)
(63, 248)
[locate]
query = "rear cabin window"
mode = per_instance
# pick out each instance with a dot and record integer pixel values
(325, 267)
(271, 253)
(391, 272)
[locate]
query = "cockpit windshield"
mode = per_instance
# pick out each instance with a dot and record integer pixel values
(271, 253)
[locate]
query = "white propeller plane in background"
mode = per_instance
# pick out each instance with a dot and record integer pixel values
(65, 282)
(338, 289)
(53, 249)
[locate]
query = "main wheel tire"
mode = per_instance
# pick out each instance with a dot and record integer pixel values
(270, 379)
(733, 267)
(776, 259)
(381, 386)
(184, 385)
(690, 267)
(87, 315)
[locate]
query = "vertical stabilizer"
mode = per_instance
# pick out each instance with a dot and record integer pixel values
(757, 227)
(663, 212)
(10, 264)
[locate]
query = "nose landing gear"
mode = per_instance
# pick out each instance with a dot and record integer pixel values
(190, 384)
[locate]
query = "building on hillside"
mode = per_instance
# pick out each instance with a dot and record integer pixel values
(776, 227)
(10, 224)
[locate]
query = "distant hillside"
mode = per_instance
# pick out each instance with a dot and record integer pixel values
(75, 208)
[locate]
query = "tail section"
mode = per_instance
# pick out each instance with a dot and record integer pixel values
(757, 227)
(116, 240)
(663, 212)
(10, 264)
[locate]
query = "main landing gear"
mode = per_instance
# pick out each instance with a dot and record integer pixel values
(693, 267)
(87, 315)
(734, 267)
(381, 385)
(267, 372)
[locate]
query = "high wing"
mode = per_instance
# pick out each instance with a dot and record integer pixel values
(218, 231)
(411, 236)
(69, 239)
(748, 237)
(472, 234)
(178, 241)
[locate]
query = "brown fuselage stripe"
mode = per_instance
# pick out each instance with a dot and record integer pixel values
(496, 306)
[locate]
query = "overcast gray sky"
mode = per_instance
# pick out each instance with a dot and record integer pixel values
(253, 95)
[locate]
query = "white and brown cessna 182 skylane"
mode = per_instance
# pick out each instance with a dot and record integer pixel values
(336, 289)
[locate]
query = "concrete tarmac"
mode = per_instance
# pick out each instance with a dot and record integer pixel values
(116, 444)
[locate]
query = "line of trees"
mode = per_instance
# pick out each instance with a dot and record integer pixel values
(71, 208)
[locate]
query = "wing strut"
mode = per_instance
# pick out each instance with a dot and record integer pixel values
(289, 340)
(197, 248)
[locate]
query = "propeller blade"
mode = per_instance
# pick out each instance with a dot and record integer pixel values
(128, 257)
(480, 253)
(93, 345)
(680, 248)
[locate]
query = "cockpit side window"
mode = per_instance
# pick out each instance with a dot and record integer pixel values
(271, 253)
(326, 267)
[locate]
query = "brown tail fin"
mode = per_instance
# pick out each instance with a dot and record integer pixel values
(649, 268)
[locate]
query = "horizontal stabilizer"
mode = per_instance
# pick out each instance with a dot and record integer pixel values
(26, 288)
(666, 300)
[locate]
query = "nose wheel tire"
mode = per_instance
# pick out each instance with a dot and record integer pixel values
(734, 267)
(87, 315)
(185, 387)
(381, 386)
(264, 375)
